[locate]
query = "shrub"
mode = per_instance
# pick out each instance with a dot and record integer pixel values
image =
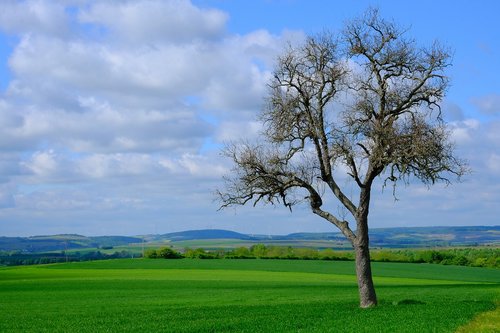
(280, 252)
(151, 254)
(168, 253)
(327, 254)
(199, 254)
(306, 253)
(259, 250)
(240, 253)
(480, 262)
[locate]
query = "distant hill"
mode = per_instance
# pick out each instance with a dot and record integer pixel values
(62, 242)
(419, 236)
(204, 234)
(415, 237)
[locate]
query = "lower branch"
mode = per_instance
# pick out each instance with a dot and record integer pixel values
(342, 225)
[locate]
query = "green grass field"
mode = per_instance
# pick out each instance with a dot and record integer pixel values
(139, 295)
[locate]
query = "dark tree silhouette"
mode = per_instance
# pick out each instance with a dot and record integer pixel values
(362, 104)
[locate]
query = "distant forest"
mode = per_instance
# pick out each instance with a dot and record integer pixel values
(476, 257)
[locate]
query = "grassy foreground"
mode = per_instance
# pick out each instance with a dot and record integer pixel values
(240, 296)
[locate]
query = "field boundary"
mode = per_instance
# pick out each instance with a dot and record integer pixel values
(483, 322)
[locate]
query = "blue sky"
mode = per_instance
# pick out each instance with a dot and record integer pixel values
(113, 112)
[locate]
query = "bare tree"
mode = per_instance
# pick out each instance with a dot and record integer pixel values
(362, 104)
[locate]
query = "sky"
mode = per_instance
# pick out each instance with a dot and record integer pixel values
(113, 113)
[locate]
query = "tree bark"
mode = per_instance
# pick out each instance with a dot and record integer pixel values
(367, 295)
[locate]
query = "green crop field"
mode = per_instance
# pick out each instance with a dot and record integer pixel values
(140, 295)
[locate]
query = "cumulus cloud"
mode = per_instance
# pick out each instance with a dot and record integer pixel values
(231, 130)
(34, 16)
(50, 71)
(475, 141)
(463, 131)
(55, 167)
(99, 95)
(156, 21)
(100, 127)
(115, 112)
(43, 163)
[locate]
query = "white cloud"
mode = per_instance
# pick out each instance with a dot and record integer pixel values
(477, 142)
(493, 163)
(55, 167)
(115, 111)
(156, 21)
(34, 16)
(463, 131)
(116, 165)
(43, 163)
(240, 84)
(100, 127)
(202, 166)
(51, 200)
(234, 130)
(241, 92)
(50, 70)
(95, 95)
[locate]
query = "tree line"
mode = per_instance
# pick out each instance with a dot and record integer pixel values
(19, 258)
(476, 257)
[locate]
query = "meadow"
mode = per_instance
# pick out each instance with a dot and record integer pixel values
(254, 295)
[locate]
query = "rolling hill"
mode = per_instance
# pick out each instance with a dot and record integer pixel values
(415, 237)
(62, 242)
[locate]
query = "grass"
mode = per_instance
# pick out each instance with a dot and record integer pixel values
(484, 322)
(240, 296)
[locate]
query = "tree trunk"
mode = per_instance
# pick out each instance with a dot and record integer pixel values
(367, 296)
